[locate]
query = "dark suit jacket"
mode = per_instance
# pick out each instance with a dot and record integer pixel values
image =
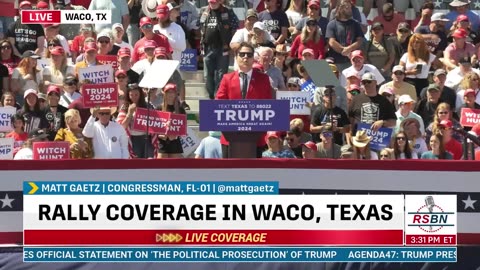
(259, 88)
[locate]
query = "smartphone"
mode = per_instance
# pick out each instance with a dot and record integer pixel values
(419, 68)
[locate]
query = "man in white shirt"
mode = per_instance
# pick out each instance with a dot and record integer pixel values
(173, 31)
(455, 76)
(110, 140)
(358, 65)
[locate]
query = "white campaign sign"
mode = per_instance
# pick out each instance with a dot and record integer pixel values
(189, 142)
(6, 148)
(6, 114)
(96, 74)
(42, 63)
(298, 100)
(158, 74)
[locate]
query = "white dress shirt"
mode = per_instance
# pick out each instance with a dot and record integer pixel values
(249, 78)
(109, 142)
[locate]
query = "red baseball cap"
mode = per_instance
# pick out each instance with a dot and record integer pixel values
(310, 145)
(145, 20)
(270, 134)
(25, 4)
(163, 12)
(460, 33)
(51, 25)
(42, 5)
(469, 91)
(90, 46)
(352, 87)
(308, 50)
(357, 53)
(462, 18)
(446, 123)
(123, 52)
(120, 72)
(169, 87)
(53, 89)
(149, 44)
(314, 3)
(57, 50)
(160, 51)
(476, 129)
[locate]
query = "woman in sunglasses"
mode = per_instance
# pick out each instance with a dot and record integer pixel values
(58, 69)
(401, 147)
(170, 146)
(53, 31)
(51, 43)
(7, 57)
(438, 149)
(280, 55)
(70, 91)
(443, 112)
(311, 37)
(417, 62)
(386, 154)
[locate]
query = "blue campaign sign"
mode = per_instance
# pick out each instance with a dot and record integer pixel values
(188, 62)
(380, 138)
(309, 86)
(245, 115)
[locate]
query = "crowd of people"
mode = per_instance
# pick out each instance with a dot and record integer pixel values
(413, 77)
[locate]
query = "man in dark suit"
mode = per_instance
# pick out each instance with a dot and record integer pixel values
(246, 83)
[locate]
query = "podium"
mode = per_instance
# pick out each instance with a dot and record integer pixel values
(242, 144)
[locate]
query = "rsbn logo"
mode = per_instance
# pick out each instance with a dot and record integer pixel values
(430, 217)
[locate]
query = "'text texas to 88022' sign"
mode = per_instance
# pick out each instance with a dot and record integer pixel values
(244, 115)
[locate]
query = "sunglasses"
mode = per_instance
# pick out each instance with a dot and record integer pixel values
(292, 85)
(52, 44)
(103, 113)
(398, 73)
(245, 54)
(384, 156)
(442, 112)
(327, 134)
(400, 138)
(104, 41)
(70, 83)
(6, 47)
(147, 26)
(311, 24)
(366, 82)
(404, 31)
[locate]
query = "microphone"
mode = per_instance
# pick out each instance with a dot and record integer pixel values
(430, 203)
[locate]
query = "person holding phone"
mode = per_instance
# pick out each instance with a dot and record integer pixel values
(417, 62)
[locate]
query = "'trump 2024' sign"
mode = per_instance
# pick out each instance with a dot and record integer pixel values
(244, 115)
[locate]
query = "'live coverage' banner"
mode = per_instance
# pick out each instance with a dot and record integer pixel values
(103, 95)
(244, 115)
(160, 122)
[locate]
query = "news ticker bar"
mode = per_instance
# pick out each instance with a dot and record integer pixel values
(240, 254)
(66, 16)
(150, 188)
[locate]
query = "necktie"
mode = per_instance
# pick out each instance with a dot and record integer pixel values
(244, 77)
